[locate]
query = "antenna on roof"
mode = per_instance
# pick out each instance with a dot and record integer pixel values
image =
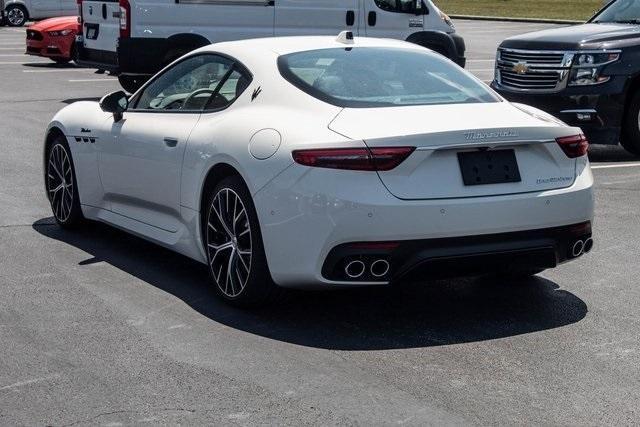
(345, 37)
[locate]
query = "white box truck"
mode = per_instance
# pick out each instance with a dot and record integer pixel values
(136, 38)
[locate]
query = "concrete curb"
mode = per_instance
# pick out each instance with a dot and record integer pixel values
(512, 19)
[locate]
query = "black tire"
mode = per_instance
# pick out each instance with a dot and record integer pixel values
(227, 243)
(131, 83)
(16, 15)
(61, 60)
(61, 185)
(630, 138)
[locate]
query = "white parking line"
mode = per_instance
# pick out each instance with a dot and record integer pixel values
(63, 70)
(12, 54)
(12, 48)
(92, 80)
(619, 165)
(23, 63)
(480, 70)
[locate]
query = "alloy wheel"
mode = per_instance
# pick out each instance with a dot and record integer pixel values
(60, 183)
(229, 246)
(16, 16)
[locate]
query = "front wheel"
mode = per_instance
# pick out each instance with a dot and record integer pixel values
(631, 127)
(16, 15)
(235, 252)
(61, 185)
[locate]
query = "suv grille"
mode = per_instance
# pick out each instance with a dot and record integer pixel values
(533, 71)
(34, 35)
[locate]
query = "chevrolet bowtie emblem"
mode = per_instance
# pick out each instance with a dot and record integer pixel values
(521, 68)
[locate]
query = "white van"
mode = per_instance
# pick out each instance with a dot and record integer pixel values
(136, 38)
(17, 12)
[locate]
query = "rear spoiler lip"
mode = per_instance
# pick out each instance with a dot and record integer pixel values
(470, 139)
(484, 144)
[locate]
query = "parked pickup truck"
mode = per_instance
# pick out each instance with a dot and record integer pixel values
(587, 75)
(136, 38)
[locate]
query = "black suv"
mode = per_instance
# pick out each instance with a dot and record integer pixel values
(587, 75)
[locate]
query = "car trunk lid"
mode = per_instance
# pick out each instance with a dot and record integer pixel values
(444, 136)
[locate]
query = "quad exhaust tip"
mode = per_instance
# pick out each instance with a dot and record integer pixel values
(588, 245)
(578, 248)
(380, 268)
(355, 269)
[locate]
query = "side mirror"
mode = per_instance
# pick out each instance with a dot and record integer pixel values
(116, 103)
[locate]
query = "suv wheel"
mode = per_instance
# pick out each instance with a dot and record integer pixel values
(630, 139)
(16, 15)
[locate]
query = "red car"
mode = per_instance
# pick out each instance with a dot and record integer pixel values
(53, 38)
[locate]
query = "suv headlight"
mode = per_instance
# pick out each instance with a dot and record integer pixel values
(587, 67)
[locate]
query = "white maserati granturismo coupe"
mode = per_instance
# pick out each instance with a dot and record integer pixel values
(325, 162)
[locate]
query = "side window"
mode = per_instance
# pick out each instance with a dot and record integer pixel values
(400, 6)
(230, 89)
(187, 86)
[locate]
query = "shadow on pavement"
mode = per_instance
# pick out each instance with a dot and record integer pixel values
(51, 64)
(72, 100)
(414, 315)
(610, 153)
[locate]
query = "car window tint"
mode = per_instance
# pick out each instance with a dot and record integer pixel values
(378, 77)
(187, 86)
(229, 90)
(402, 6)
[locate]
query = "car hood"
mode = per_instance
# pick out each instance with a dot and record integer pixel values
(587, 36)
(56, 24)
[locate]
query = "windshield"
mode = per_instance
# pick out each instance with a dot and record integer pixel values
(622, 11)
(380, 77)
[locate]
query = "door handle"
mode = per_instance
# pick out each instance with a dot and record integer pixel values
(351, 18)
(170, 142)
(372, 18)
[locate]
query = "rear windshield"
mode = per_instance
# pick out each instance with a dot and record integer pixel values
(379, 77)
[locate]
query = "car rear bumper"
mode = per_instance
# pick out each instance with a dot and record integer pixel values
(598, 110)
(94, 58)
(306, 214)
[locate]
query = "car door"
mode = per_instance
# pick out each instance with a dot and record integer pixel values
(141, 162)
(396, 19)
(101, 25)
(305, 17)
(68, 7)
(44, 8)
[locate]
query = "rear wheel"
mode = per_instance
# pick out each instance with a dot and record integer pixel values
(16, 15)
(61, 60)
(61, 185)
(235, 252)
(131, 83)
(631, 127)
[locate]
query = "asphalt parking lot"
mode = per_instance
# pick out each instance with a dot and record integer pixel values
(101, 328)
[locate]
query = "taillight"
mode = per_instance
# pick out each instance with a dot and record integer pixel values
(360, 159)
(574, 146)
(125, 19)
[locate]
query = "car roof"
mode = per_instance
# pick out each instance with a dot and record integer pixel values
(286, 45)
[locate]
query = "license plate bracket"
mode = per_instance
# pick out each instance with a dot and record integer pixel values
(489, 167)
(91, 31)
